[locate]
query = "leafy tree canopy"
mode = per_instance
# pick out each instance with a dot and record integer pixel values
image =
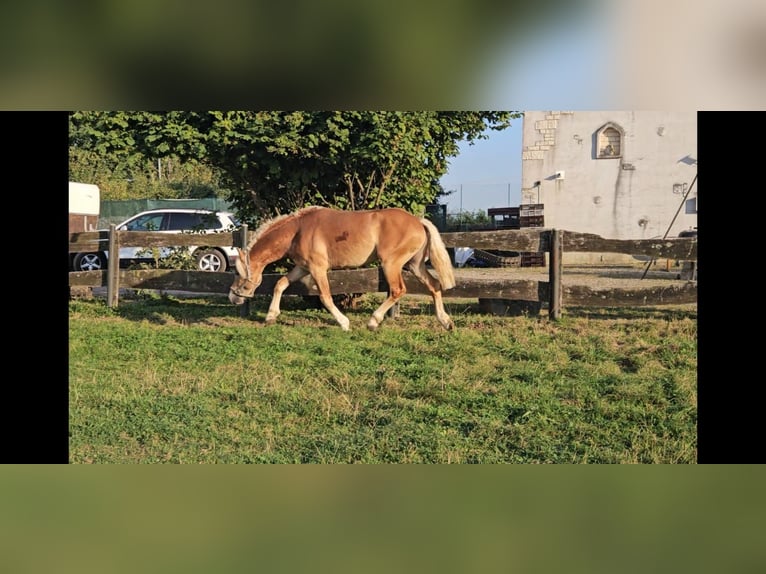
(274, 162)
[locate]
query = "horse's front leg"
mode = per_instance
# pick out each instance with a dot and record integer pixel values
(294, 274)
(325, 296)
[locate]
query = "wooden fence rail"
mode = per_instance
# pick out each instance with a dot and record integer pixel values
(552, 241)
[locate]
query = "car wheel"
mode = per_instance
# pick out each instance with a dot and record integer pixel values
(88, 262)
(210, 260)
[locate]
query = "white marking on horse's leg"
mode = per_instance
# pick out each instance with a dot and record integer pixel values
(396, 290)
(441, 314)
(377, 317)
(320, 278)
(279, 288)
(434, 286)
(342, 320)
(293, 275)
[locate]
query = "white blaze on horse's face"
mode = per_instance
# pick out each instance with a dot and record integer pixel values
(244, 284)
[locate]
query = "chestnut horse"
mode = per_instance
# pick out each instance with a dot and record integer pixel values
(319, 239)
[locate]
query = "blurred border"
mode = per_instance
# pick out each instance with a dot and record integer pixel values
(382, 519)
(465, 54)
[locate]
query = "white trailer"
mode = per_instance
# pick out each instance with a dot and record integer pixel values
(84, 207)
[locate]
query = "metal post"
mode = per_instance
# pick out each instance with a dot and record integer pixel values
(672, 221)
(555, 269)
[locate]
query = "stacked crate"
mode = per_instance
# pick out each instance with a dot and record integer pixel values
(531, 215)
(508, 217)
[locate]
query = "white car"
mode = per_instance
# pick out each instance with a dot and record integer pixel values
(170, 221)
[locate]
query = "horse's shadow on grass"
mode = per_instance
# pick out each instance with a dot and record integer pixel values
(162, 309)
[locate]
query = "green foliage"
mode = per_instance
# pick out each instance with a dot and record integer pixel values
(104, 150)
(273, 162)
(174, 257)
(469, 220)
(189, 381)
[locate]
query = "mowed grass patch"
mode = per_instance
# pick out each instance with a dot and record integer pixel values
(161, 379)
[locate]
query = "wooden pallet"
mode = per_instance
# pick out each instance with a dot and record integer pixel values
(532, 221)
(497, 260)
(533, 259)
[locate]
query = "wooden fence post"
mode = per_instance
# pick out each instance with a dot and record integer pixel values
(555, 269)
(113, 268)
(244, 310)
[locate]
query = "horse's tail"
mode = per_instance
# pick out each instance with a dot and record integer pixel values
(439, 256)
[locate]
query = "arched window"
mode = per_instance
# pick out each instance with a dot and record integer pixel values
(609, 139)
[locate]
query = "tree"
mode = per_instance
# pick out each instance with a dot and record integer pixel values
(103, 150)
(275, 162)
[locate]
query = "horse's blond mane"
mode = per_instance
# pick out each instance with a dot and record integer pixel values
(274, 221)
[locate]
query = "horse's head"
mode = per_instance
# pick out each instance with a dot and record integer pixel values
(246, 282)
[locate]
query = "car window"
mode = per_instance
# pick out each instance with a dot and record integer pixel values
(193, 221)
(148, 222)
(210, 221)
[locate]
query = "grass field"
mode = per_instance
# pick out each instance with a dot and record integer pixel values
(182, 380)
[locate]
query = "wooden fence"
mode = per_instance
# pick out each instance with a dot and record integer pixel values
(554, 242)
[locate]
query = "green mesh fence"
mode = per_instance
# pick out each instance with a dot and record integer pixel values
(118, 211)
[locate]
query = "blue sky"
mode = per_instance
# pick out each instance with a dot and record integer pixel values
(557, 68)
(485, 172)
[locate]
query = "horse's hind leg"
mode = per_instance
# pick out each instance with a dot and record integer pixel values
(293, 275)
(418, 268)
(396, 289)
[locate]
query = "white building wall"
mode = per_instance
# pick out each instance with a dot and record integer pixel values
(635, 196)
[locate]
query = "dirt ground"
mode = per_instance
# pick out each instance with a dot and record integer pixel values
(658, 274)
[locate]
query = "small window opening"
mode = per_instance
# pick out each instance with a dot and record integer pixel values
(609, 141)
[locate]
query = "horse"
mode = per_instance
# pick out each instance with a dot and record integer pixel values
(318, 239)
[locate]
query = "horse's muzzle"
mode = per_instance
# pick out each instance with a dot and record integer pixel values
(241, 293)
(238, 297)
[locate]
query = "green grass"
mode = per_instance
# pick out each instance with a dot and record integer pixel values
(161, 379)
